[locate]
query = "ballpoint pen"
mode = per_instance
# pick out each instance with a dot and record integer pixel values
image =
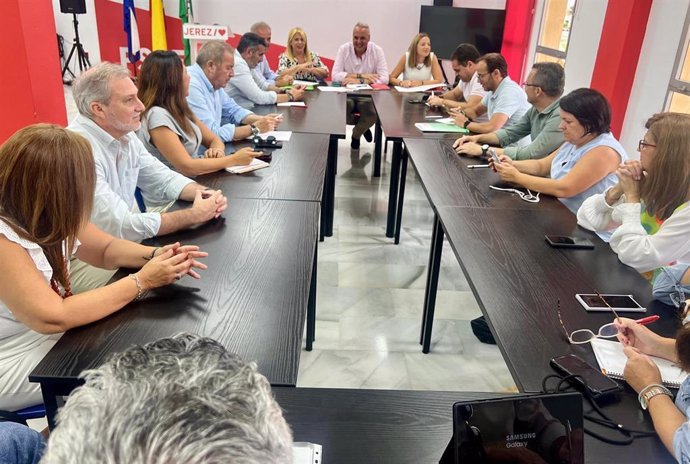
(648, 319)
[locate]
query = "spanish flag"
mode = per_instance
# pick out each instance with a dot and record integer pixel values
(158, 38)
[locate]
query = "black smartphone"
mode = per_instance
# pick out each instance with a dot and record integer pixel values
(266, 155)
(421, 99)
(597, 383)
(561, 241)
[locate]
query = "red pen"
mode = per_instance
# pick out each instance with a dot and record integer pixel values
(648, 320)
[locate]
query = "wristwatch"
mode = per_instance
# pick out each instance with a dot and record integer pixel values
(650, 391)
(361, 81)
(290, 97)
(485, 150)
(255, 130)
(467, 123)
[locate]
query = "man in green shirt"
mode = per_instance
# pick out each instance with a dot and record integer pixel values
(544, 87)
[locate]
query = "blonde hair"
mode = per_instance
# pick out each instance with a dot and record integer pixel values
(47, 184)
(412, 59)
(291, 35)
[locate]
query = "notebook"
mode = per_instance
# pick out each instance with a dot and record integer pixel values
(306, 453)
(440, 127)
(612, 361)
(253, 166)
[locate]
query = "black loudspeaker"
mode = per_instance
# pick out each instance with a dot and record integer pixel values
(73, 6)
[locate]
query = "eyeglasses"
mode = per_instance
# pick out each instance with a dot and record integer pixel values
(581, 336)
(677, 297)
(525, 84)
(481, 75)
(642, 144)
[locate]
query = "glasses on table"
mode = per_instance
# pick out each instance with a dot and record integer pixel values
(581, 336)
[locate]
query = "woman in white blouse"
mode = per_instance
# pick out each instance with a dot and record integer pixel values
(418, 66)
(648, 207)
(300, 62)
(47, 184)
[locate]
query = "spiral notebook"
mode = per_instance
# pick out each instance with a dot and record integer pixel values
(612, 359)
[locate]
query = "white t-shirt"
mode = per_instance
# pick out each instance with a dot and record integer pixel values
(473, 87)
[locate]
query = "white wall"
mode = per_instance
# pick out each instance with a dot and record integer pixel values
(88, 34)
(585, 34)
(654, 69)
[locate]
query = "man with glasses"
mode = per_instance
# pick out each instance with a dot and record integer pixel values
(469, 92)
(544, 87)
(505, 103)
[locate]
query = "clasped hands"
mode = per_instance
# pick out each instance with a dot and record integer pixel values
(367, 78)
(170, 263)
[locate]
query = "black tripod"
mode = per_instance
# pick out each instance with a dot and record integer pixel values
(82, 56)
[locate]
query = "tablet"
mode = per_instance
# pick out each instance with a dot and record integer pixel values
(620, 303)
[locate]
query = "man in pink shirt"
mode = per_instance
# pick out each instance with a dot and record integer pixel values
(360, 62)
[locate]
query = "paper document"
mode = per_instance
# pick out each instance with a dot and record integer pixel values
(281, 136)
(440, 127)
(358, 87)
(419, 88)
(302, 104)
(446, 121)
(324, 88)
(306, 453)
(305, 83)
(253, 166)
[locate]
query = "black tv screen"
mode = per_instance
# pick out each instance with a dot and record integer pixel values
(449, 26)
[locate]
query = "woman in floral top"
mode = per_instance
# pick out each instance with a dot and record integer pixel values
(300, 63)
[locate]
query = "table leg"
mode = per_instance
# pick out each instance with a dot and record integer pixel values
(431, 284)
(393, 191)
(377, 148)
(50, 403)
(401, 195)
(329, 185)
(311, 304)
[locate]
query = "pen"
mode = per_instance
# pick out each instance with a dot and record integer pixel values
(477, 166)
(648, 320)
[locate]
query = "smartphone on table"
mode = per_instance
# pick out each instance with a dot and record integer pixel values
(619, 303)
(596, 382)
(562, 241)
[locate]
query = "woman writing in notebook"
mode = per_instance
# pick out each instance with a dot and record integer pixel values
(170, 130)
(648, 208)
(670, 420)
(300, 62)
(418, 66)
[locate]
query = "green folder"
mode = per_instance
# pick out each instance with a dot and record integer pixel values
(440, 127)
(288, 87)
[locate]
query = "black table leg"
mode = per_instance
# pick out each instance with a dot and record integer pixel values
(50, 403)
(377, 148)
(393, 191)
(401, 195)
(311, 304)
(329, 185)
(431, 284)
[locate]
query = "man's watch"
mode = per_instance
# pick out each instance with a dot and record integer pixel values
(650, 391)
(290, 97)
(485, 150)
(467, 123)
(361, 81)
(255, 130)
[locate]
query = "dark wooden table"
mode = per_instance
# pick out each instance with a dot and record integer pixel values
(517, 279)
(324, 114)
(252, 299)
(390, 426)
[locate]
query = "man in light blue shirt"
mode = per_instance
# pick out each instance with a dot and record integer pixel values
(249, 89)
(263, 30)
(505, 103)
(208, 76)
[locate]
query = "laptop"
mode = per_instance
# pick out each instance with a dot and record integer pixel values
(534, 429)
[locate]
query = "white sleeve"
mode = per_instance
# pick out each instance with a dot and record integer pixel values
(595, 213)
(644, 252)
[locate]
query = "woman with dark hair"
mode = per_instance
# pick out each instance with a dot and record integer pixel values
(670, 420)
(169, 129)
(418, 66)
(648, 207)
(47, 183)
(586, 162)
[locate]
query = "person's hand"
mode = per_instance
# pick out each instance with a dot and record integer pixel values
(435, 101)
(244, 156)
(406, 83)
(214, 153)
(632, 334)
(469, 149)
(192, 252)
(627, 183)
(640, 371)
(464, 139)
(349, 80)
(370, 78)
(460, 119)
(634, 169)
(171, 265)
(297, 92)
(505, 169)
(266, 123)
(208, 204)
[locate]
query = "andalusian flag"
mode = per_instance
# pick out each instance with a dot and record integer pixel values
(186, 16)
(158, 38)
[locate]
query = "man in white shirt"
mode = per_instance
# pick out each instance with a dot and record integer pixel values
(505, 102)
(110, 112)
(360, 62)
(469, 92)
(263, 30)
(249, 89)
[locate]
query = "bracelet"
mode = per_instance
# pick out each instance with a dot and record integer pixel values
(650, 391)
(140, 290)
(153, 253)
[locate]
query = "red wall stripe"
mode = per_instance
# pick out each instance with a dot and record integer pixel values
(516, 35)
(624, 29)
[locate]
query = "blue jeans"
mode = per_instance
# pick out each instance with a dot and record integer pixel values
(19, 444)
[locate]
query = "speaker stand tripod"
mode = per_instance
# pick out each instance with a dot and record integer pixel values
(82, 56)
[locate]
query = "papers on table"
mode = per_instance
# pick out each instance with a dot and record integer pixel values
(446, 121)
(300, 104)
(281, 136)
(306, 453)
(253, 166)
(419, 88)
(305, 83)
(324, 88)
(358, 87)
(440, 127)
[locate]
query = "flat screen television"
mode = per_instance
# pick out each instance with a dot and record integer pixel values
(449, 26)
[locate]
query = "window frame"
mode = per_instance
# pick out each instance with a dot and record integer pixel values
(552, 52)
(676, 84)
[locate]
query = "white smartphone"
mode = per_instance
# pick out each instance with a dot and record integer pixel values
(620, 303)
(494, 156)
